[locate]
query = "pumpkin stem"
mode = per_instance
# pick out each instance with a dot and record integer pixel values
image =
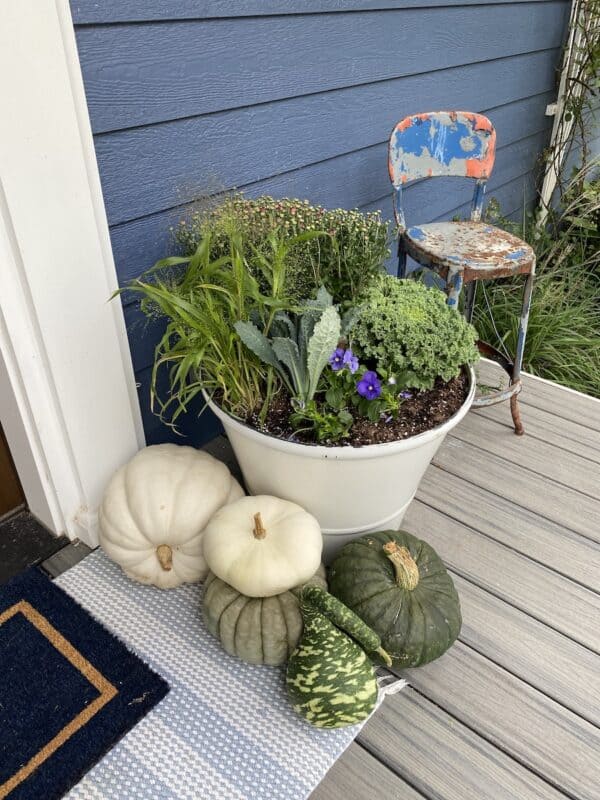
(164, 553)
(407, 571)
(259, 529)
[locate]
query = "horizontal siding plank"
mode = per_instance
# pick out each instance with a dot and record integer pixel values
(543, 426)
(535, 730)
(151, 169)
(137, 245)
(356, 775)
(441, 757)
(511, 195)
(193, 428)
(91, 11)
(551, 500)
(543, 458)
(530, 650)
(549, 543)
(135, 75)
(509, 575)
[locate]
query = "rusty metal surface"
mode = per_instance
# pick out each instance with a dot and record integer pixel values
(458, 143)
(478, 250)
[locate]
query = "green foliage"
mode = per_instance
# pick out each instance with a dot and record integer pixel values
(344, 261)
(408, 330)
(563, 336)
(297, 346)
(202, 298)
(327, 426)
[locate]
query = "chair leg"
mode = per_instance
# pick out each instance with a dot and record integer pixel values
(516, 376)
(454, 283)
(470, 293)
(401, 258)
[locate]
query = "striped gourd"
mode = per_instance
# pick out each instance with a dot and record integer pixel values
(330, 678)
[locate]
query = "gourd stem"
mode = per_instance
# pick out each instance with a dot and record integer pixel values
(164, 553)
(385, 655)
(407, 571)
(259, 529)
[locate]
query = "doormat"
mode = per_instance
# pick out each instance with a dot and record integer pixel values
(226, 730)
(68, 689)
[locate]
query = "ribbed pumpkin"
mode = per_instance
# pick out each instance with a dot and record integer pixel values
(259, 630)
(399, 586)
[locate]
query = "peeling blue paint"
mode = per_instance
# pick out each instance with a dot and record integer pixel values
(416, 233)
(516, 254)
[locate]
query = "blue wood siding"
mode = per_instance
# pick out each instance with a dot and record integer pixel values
(297, 98)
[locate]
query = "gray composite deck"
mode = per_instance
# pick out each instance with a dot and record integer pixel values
(512, 711)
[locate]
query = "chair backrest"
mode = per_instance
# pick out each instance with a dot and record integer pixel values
(437, 143)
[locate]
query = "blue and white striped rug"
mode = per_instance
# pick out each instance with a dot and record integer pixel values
(225, 731)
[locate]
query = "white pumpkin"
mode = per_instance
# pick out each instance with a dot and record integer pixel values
(262, 545)
(155, 509)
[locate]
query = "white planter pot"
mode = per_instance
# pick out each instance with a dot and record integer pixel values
(350, 490)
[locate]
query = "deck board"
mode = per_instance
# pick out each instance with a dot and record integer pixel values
(545, 427)
(356, 773)
(522, 645)
(443, 758)
(496, 517)
(561, 402)
(550, 500)
(510, 576)
(522, 721)
(512, 711)
(545, 459)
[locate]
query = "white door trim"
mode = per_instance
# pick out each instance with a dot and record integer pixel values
(68, 399)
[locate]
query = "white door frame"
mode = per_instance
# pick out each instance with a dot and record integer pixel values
(68, 400)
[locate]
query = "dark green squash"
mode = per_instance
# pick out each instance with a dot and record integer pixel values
(399, 586)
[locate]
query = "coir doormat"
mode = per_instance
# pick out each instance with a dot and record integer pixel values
(68, 689)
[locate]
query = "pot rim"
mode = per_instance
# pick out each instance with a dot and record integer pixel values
(346, 452)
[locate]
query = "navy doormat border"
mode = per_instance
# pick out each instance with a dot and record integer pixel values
(69, 689)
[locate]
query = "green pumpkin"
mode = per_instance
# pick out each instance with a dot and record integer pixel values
(399, 586)
(330, 678)
(259, 630)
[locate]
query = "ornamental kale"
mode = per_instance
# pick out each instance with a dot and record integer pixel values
(407, 329)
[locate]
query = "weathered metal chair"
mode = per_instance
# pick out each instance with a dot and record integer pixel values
(460, 144)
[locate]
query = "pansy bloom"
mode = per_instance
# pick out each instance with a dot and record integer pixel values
(336, 359)
(369, 386)
(350, 361)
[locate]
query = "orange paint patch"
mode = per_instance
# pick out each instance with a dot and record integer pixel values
(408, 122)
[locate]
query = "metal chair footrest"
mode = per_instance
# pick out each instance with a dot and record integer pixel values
(491, 398)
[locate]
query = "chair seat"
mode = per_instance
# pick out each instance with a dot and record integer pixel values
(481, 251)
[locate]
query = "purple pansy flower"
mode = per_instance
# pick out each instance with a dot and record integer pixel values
(350, 361)
(336, 359)
(369, 386)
